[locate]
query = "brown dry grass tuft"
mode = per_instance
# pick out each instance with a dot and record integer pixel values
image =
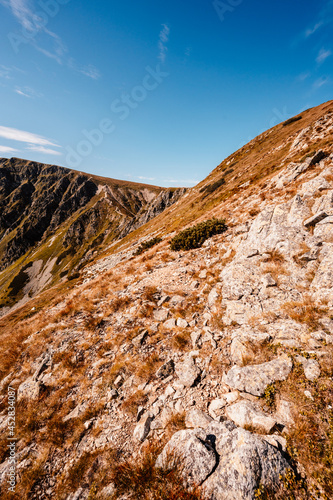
(275, 256)
(181, 340)
(140, 480)
(176, 423)
(131, 404)
(146, 371)
(306, 312)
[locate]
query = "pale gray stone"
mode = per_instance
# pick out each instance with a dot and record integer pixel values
(284, 412)
(170, 323)
(255, 378)
(245, 461)
(78, 410)
(213, 297)
(142, 429)
(310, 366)
(29, 390)
(166, 370)
(160, 314)
(187, 371)
(239, 352)
(268, 280)
(139, 339)
(197, 418)
(246, 414)
(182, 323)
(192, 453)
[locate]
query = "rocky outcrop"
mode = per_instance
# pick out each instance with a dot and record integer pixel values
(254, 379)
(226, 461)
(163, 200)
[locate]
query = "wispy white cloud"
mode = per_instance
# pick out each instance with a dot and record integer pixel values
(6, 150)
(324, 17)
(303, 76)
(188, 51)
(323, 80)
(27, 92)
(21, 10)
(312, 31)
(162, 43)
(90, 71)
(14, 134)
(323, 55)
(51, 45)
(42, 149)
(7, 72)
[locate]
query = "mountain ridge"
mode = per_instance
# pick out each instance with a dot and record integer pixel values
(217, 360)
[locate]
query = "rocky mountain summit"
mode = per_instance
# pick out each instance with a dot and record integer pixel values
(193, 374)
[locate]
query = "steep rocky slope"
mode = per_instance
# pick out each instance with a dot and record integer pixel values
(51, 218)
(217, 360)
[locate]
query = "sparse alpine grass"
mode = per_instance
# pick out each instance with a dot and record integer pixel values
(195, 236)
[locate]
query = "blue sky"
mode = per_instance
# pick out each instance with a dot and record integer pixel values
(157, 92)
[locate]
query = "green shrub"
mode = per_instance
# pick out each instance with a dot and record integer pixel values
(292, 120)
(147, 244)
(195, 236)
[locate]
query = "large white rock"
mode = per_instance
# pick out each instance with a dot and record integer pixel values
(187, 371)
(192, 453)
(245, 461)
(160, 314)
(310, 366)
(245, 414)
(255, 378)
(197, 418)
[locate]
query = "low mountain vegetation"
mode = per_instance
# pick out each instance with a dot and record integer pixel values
(195, 236)
(147, 244)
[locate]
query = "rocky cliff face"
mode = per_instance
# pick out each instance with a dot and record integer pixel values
(215, 363)
(39, 202)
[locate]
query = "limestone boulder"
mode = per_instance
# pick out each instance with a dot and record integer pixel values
(255, 378)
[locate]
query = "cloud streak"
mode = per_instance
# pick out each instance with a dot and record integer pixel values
(162, 43)
(323, 55)
(42, 149)
(27, 92)
(323, 80)
(14, 134)
(33, 23)
(311, 31)
(6, 150)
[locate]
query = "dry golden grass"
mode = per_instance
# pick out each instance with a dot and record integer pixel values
(33, 475)
(175, 423)
(149, 293)
(146, 310)
(141, 480)
(306, 312)
(118, 304)
(258, 353)
(274, 256)
(131, 404)
(311, 439)
(147, 369)
(181, 341)
(276, 270)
